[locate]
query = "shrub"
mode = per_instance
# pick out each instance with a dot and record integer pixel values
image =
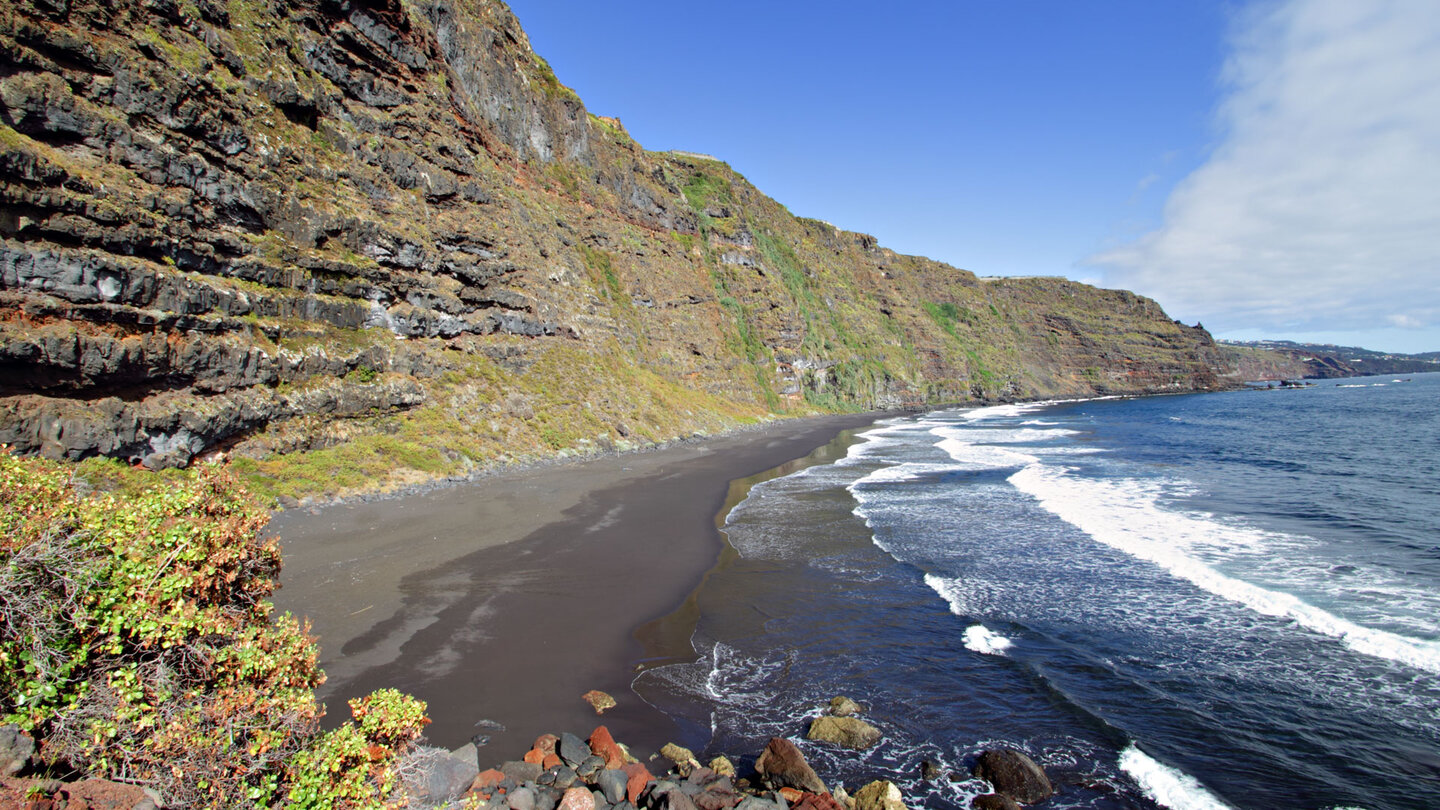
(136, 643)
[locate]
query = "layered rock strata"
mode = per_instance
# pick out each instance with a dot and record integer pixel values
(311, 234)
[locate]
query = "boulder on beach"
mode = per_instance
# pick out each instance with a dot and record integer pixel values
(849, 732)
(817, 801)
(603, 744)
(487, 780)
(879, 795)
(572, 749)
(577, 798)
(522, 798)
(521, 772)
(637, 777)
(723, 766)
(673, 799)
(545, 743)
(439, 776)
(841, 706)
(782, 765)
(16, 749)
(612, 782)
(683, 757)
(1015, 775)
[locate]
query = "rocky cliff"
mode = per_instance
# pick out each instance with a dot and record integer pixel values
(358, 244)
(1288, 360)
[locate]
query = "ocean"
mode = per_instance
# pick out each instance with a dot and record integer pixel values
(1198, 601)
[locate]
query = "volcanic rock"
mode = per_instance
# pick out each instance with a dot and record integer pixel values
(879, 795)
(783, 765)
(994, 801)
(849, 732)
(1014, 774)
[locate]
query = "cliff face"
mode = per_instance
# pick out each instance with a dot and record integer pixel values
(1287, 360)
(353, 244)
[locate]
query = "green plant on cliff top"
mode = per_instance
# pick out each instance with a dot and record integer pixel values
(702, 188)
(136, 642)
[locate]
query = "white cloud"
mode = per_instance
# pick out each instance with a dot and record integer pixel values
(1146, 182)
(1320, 207)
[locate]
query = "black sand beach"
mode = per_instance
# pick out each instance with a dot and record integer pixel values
(508, 598)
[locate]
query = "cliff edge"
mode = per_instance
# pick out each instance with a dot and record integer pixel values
(356, 245)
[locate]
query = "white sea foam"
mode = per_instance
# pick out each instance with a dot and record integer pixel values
(949, 593)
(983, 456)
(1125, 515)
(1167, 786)
(1002, 411)
(909, 471)
(1022, 434)
(981, 639)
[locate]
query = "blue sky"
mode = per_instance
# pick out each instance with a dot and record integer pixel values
(1271, 169)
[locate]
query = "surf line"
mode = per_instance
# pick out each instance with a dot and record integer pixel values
(1075, 501)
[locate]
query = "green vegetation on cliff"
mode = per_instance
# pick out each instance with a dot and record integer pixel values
(357, 248)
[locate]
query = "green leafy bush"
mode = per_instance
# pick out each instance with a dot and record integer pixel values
(136, 643)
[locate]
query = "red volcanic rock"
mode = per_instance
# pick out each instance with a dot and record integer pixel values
(487, 780)
(782, 765)
(817, 801)
(546, 743)
(535, 756)
(551, 761)
(638, 776)
(605, 747)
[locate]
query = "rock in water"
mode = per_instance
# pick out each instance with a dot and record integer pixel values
(782, 765)
(842, 706)
(1014, 774)
(599, 700)
(850, 732)
(993, 801)
(879, 795)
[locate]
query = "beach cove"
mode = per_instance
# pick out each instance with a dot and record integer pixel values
(501, 601)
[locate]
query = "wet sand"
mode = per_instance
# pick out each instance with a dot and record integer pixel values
(505, 599)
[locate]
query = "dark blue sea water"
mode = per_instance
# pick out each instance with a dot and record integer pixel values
(1218, 600)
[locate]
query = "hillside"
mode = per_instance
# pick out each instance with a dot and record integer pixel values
(1285, 359)
(356, 245)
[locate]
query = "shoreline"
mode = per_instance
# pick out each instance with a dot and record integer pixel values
(481, 473)
(484, 472)
(503, 599)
